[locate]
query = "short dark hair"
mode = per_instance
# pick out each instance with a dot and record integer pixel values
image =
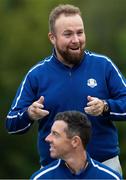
(65, 9)
(78, 124)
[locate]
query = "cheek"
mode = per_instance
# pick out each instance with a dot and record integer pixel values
(62, 42)
(83, 39)
(62, 144)
(66, 146)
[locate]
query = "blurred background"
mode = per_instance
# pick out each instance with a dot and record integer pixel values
(24, 41)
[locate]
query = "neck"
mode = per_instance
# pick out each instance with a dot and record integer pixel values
(77, 163)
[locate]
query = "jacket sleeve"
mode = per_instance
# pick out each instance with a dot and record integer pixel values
(117, 92)
(18, 121)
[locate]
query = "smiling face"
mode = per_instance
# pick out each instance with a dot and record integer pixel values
(69, 39)
(60, 145)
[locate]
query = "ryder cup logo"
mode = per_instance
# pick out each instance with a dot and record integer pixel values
(91, 83)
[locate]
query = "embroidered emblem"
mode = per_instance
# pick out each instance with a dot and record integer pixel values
(91, 83)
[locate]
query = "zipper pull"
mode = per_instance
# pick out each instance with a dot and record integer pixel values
(70, 73)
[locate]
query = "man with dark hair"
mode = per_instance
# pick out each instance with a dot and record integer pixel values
(70, 134)
(72, 78)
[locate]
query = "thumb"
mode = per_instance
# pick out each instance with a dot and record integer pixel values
(40, 100)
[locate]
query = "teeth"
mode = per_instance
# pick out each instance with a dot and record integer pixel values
(51, 148)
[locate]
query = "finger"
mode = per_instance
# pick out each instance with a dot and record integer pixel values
(90, 112)
(41, 113)
(40, 100)
(94, 102)
(37, 105)
(45, 112)
(91, 103)
(89, 98)
(91, 109)
(87, 110)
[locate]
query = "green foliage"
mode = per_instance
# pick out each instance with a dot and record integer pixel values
(24, 41)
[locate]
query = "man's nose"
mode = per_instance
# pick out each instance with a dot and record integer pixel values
(75, 38)
(48, 138)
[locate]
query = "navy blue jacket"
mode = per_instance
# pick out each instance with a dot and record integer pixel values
(58, 170)
(66, 88)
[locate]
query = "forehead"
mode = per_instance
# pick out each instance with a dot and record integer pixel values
(59, 126)
(71, 22)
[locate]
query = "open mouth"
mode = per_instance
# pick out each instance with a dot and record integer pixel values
(75, 49)
(51, 148)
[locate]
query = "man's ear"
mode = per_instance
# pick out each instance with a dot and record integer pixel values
(51, 38)
(76, 141)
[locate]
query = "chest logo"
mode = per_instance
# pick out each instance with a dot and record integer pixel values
(91, 83)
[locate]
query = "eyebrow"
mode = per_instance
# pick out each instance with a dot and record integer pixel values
(53, 131)
(68, 30)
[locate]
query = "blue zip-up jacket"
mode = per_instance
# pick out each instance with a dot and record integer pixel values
(66, 88)
(59, 170)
